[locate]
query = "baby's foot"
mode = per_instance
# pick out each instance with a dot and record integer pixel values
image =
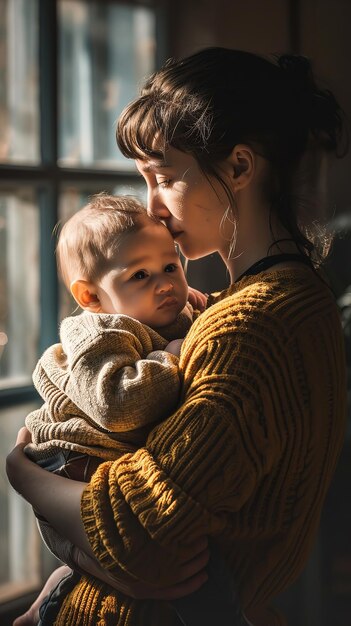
(30, 617)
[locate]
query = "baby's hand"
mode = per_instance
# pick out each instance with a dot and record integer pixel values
(174, 346)
(197, 299)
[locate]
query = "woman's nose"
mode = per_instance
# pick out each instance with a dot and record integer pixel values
(155, 205)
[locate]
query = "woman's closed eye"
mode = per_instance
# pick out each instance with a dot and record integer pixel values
(164, 183)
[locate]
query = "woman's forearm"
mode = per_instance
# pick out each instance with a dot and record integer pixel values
(58, 500)
(54, 497)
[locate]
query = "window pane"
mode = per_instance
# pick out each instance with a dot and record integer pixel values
(19, 108)
(19, 537)
(19, 287)
(73, 199)
(106, 50)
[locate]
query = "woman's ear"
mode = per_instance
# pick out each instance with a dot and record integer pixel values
(85, 295)
(242, 164)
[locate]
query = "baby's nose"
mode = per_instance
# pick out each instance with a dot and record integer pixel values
(165, 286)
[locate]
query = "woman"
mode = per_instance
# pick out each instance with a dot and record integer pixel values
(221, 139)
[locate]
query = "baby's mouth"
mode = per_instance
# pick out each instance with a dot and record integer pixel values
(168, 302)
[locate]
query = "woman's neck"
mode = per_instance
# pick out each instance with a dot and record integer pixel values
(259, 237)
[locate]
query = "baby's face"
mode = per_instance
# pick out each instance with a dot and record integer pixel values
(147, 281)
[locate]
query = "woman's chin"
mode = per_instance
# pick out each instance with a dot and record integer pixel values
(194, 255)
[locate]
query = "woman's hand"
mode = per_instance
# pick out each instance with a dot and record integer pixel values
(16, 456)
(23, 437)
(54, 497)
(17, 460)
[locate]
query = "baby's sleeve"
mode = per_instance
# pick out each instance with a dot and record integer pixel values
(108, 367)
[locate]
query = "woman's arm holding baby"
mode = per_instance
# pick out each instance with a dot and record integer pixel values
(50, 498)
(58, 499)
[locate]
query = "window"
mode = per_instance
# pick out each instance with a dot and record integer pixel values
(96, 86)
(68, 67)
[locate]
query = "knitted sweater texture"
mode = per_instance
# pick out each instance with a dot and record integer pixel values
(246, 459)
(94, 386)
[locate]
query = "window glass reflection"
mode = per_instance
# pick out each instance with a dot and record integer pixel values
(19, 105)
(19, 287)
(106, 50)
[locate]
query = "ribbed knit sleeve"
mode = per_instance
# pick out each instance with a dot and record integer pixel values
(248, 456)
(205, 461)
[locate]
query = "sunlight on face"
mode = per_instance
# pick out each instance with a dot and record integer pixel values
(147, 281)
(191, 206)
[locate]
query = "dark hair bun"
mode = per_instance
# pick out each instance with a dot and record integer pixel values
(324, 116)
(297, 66)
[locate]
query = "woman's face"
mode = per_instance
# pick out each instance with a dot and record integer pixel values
(189, 204)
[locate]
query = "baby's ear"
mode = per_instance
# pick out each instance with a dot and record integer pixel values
(85, 295)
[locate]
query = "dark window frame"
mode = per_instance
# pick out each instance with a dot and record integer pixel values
(50, 179)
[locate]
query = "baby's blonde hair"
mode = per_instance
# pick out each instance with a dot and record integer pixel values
(90, 239)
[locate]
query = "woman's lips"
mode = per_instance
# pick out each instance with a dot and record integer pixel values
(176, 234)
(169, 301)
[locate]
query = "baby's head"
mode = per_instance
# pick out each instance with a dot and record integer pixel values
(113, 258)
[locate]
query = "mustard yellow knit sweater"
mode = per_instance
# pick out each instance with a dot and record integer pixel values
(247, 459)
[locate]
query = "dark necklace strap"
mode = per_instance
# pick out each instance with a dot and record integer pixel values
(269, 261)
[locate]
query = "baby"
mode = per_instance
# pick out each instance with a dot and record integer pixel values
(114, 375)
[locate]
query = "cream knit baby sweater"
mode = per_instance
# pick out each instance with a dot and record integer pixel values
(93, 384)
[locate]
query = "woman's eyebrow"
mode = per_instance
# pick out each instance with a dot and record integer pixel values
(155, 165)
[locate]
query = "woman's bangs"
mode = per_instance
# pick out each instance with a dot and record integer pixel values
(138, 131)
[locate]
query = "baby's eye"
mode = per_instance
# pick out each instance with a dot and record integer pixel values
(171, 267)
(140, 275)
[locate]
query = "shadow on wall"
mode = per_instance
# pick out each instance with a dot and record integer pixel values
(208, 274)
